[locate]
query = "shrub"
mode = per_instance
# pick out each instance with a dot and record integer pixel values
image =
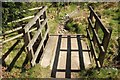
(69, 26)
(73, 27)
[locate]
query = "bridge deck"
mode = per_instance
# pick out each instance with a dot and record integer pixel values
(69, 56)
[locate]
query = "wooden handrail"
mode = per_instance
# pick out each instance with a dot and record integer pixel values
(36, 35)
(31, 22)
(36, 8)
(40, 22)
(11, 31)
(96, 36)
(23, 19)
(102, 44)
(39, 47)
(17, 36)
(105, 30)
(30, 40)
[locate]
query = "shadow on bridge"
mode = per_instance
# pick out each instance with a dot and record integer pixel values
(69, 51)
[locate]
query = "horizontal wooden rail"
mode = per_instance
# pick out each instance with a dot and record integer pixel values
(39, 47)
(101, 44)
(36, 35)
(29, 17)
(30, 23)
(6, 34)
(32, 30)
(11, 31)
(23, 19)
(17, 36)
(105, 30)
(92, 48)
(36, 8)
(96, 36)
(32, 9)
(35, 44)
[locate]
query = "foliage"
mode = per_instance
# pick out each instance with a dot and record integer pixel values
(11, 11)
(73, 27)
(37, 72)
(112, 13)
(15, 10)
(100, 73)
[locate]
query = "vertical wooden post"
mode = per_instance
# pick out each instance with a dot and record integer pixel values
(30, 53)
(41, 17)
(44, 17)
(38, 24)
(91, 16)
(46, 27)
(105, 42)
(26, 43)
(89, 25)
(96, 27)
(101, 58)
(106, 39)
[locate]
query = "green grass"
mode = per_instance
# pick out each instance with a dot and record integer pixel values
(34, 72)
(100, 73)
(14, 53)
(37, 72)
(73, 27)
(52, 26)
(54, 22)
(100, 34)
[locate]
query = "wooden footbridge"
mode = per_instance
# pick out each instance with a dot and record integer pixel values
(61, 52)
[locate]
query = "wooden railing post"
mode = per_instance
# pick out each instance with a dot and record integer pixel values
(105, 42)
(46, 26)
(35, 45)
(106, 39)
(96, 42)
(89, 26)
(91, 16)
(101, 58)
(38, 24)
(30, 53)
(41, 17)
(96, 27)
